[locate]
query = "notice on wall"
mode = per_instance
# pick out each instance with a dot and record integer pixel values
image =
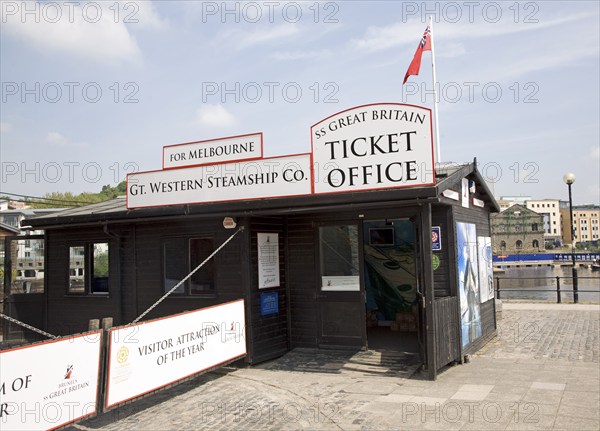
(235, 148)
(340, 283)
(436, 238)
(486, 272)
(257, 179)
(377, 146)
(149, 355)
(50, 384)
(268, 260)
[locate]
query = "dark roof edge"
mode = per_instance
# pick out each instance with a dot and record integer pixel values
(291, 205)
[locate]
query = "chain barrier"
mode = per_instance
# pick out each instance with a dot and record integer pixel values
(187, 277)
(25, 325)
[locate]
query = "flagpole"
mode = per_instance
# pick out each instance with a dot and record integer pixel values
(435, 99)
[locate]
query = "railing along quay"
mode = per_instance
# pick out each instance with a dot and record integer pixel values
(558, 289)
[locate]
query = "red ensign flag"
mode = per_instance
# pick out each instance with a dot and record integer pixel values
(415, 64)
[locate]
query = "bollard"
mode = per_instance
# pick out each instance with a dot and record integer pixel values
(94, 324)
(558, 299)
(107, 323)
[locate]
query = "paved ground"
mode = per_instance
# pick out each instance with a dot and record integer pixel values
(541, 372)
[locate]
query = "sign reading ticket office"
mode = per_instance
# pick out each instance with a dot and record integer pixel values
(373, 147)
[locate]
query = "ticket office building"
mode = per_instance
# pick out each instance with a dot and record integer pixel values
(356, 270)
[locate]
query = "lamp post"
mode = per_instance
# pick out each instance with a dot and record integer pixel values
(569, 179)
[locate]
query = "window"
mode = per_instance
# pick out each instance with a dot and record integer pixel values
(535, 243)
(96, 259)
(519, 244)
(338, 253)
(180, 257)
(503, 245)
(517, 228)
(534, 227)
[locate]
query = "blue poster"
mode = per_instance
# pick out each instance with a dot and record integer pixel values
(468, 282)
(436, 240)
(269, 303)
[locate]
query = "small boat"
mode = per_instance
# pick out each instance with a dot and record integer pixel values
(595, 265)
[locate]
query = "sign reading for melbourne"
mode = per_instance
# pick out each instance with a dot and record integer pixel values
(373, 147)
(258, 179)
(235, 148)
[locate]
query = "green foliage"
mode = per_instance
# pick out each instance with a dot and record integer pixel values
(68, 199)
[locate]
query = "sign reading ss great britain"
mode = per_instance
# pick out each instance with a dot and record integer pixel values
(373, 147)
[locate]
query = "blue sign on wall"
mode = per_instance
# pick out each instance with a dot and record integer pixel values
(269, 303)
(436, 238)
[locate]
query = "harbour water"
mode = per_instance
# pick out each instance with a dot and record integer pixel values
(539, 284)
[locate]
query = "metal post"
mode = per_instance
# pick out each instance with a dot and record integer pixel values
(558, 299)
(574, 269)
(498, 288)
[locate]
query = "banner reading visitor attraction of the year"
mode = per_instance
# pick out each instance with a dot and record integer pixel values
(48, 385)
(149, 355)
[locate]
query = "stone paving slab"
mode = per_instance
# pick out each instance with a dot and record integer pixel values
(542, 372)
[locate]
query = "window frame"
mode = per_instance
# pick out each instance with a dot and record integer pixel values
(187, 286)
(88, 268)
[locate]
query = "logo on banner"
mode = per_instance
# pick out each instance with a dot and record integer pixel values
(122, 355)
(69, 371)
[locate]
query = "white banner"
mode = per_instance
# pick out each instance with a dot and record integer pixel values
(373, 147)
(149, 355)
(258, 179)
(51, 384)
(235, 148)
(486, 272)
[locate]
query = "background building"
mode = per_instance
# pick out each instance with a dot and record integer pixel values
(517, 230)
(586, 223)
(550, 210)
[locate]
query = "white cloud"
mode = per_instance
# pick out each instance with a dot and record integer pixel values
(301, 55)
(214, 116)
(58, 140)
(5, 127)
(241, 39)
(87, 33)
(402, 34)
(144, 12)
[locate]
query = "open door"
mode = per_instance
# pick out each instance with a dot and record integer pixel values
(340, 290)
(391, 285)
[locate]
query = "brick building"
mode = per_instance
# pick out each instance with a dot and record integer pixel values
(517, 230)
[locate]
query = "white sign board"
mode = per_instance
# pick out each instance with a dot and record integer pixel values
(486, 272)
(153, 354)
(340, 283)
(235, 148)
(258, 179)
(268, 260)
(370, 147)
(50, 384)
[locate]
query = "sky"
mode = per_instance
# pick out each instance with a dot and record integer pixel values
(93, 90)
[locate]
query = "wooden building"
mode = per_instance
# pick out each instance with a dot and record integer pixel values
(396, 268)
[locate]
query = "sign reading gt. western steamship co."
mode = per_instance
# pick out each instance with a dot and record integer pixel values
(373, 147)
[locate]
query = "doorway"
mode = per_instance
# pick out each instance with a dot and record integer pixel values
(391, 285)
